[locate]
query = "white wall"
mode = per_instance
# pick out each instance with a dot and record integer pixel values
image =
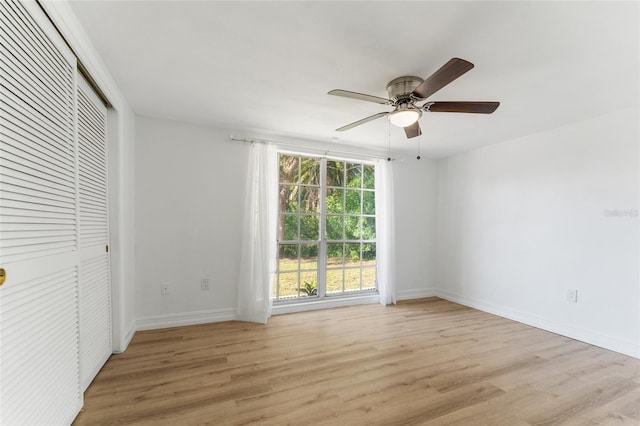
(520, 222)
(415, 197)
(121, 151)
(190, 184)
(517, 224)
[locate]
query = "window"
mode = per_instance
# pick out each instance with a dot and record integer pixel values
(326, 228)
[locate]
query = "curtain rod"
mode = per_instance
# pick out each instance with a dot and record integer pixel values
(315, 150)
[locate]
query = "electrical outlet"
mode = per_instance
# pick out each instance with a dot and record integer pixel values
(164, 289)
(572, 295)
(204, 284)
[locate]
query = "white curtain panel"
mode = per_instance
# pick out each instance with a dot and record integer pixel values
(258, 261)
(385, 233)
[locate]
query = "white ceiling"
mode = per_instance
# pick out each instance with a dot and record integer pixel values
(262, 69)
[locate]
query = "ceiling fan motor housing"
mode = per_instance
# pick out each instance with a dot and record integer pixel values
(400, 89)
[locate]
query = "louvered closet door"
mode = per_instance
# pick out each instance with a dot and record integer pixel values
(39, 348)
(95, 286)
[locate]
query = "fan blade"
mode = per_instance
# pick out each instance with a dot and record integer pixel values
(359, 96)
(445, 75)
(413, 130)
(473, 107)
(359, 122)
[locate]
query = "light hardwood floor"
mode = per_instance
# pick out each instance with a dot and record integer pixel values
(428, 361)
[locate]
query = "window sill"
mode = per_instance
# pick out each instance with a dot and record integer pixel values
(337, 302)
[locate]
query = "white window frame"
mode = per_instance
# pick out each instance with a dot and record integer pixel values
(297, 303)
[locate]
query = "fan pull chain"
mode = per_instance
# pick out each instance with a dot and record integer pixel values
(419, 139)
(389, 134)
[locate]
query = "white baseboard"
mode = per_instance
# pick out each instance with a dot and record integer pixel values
(154, 322)
(415, 293)
(119, 346)
(615, 344)
(127, 338)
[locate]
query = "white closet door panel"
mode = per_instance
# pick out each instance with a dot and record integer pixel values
(10, 177)
(20, 155)
(95, 283)
(25, 192)
(37, 144)
(95, 317)
(39, 325)
(93, 169)
(19, 272)
(39, 307)
(18, 200)
(28, 118)
(31, 36)
(31, 81)
(18, 87)
(89, 253)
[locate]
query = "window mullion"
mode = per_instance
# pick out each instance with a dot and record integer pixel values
(344, 226)
(298, 216)
(361, 220)
(322, 250)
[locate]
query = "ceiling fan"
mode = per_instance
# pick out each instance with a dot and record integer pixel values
(404, 92)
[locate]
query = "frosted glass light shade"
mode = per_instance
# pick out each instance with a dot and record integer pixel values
(404, 118)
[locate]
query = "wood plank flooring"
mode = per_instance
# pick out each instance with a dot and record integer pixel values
(428, 362)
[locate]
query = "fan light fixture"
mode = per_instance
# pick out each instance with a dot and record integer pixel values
(403, 117)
